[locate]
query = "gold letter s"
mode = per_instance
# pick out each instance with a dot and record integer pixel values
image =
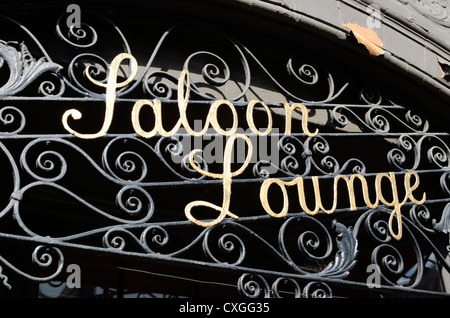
(110, 86)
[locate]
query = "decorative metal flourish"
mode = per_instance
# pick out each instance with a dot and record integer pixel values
(256, 286)
(4, 278)
(444, 224)
(124, 194)
(23, 67)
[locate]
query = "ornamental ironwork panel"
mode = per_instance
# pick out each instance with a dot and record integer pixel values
(193, 145)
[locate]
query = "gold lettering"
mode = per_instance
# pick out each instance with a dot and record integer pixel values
(215, 122)
(351, 190)
(317, 197)
(264, 198)
(410, 189)
(158, 127)
(110, 96)
(289, 110)
(250, 121)
(183, 101)
(135, 118)
(395, 203)
(226, 176)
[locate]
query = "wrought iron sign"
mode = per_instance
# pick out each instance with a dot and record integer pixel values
(282, 169)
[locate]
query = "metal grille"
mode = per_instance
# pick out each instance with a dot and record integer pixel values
(123, 196)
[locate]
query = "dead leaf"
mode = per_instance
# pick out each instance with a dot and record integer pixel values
(445, 69)
(367, 37)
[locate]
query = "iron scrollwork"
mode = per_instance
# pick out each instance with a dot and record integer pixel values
(307, 255)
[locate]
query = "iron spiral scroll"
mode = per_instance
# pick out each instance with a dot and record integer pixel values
(143, 184)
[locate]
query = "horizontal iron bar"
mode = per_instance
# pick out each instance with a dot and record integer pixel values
(171, 101)
(221, 267)
(346, 134)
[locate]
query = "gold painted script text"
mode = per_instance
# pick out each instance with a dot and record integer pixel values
(411, 178)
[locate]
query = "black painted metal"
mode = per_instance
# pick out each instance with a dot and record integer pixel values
(124, 196)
